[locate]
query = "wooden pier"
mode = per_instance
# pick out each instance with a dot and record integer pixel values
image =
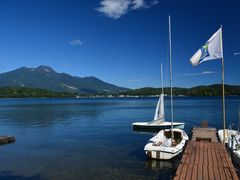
(205, 158)
(7, 139)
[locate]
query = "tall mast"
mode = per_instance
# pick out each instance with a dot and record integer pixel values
(170, 66)
(238, 118)
(162, 79)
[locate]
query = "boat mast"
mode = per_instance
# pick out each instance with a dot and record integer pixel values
(238, 118)
(170, 66)
(162, 79)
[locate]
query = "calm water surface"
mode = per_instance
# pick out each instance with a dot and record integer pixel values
(93, 138)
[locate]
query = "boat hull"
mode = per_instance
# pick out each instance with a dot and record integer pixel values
(232, 138)
(147, 127)
(161, 146)
(162, 154)
(228, 134)
(236, 157)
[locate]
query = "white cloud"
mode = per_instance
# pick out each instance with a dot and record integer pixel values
(117, 8)
(76, 42)
(154, 2)
(114, 8)
(201, 73)
(136, 4)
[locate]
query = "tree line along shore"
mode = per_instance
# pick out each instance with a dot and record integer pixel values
(212, 90)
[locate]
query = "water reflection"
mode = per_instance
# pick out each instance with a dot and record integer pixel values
(161, 164)
(9, 175)
(45, 115)
(89, 138)
(158, 164)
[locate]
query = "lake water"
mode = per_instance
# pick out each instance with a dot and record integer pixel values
(93, 138)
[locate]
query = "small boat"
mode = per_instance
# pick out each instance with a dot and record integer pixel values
(159, 122)
(168, 143)
(163, 146)
(232, 139)
(228, 134)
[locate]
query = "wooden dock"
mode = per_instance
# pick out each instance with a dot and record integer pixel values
(204, 158)
(7, 139)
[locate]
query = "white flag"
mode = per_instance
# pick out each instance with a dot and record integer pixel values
(211, 50)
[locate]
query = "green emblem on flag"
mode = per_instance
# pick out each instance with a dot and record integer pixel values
(204, 51)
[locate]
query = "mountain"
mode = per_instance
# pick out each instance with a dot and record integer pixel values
(44, 77)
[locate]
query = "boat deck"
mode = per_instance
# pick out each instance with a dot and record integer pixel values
(204, 158)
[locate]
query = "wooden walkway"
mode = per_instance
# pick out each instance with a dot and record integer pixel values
(204, 134)
(7, 139)
(204, 159)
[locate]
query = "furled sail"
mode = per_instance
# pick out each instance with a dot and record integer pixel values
(159, 113)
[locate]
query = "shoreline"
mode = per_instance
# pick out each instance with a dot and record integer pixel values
(114, 97)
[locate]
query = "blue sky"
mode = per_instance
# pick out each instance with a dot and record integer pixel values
(120, 41)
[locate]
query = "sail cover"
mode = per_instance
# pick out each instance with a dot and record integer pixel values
(159, 113)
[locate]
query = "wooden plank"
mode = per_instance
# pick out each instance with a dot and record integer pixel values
(184, 171)
(222, 173)
(185, 168)
(191, 161)
(209, 155)
(189, 172)
(7, 139)
(185, 154)
(220, 164)
(201, 154)
(194, 172)
(216, 173)
(227, 173)
(233, 173)
(200, 172)
(210, 163)
(197, 153)
(178, 172)
(205, 161)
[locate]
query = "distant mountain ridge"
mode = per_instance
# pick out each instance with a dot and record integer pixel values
(44, 77)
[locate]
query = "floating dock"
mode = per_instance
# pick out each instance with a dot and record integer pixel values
(7, 139)
(205, 158)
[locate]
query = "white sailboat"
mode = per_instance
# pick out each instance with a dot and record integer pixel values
(168, 143)
(163, 146)
(232, 139)
(158, 122)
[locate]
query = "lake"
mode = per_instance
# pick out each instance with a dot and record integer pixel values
(93, 138)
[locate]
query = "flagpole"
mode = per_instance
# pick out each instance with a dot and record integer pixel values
(170, 65)
(223, 91)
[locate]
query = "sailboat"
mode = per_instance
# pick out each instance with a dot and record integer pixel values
(168, 143)
(232, 139)
(158, 122)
